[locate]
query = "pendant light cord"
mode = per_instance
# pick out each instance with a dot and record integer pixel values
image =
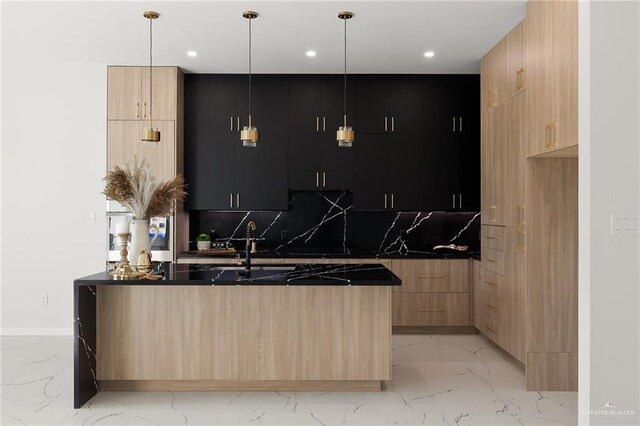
(151, 73)
(250, 19)
(345, 74)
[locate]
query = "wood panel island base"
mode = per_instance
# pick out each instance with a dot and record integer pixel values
(207, 327)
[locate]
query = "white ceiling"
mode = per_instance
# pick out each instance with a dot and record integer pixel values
(383, 36)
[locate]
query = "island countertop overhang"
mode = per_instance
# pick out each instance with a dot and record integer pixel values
(269, 275)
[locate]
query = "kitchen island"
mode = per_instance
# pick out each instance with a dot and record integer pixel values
(214, 327)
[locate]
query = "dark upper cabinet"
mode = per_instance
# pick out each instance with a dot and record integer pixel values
(371, 172)
(406, 170)
(210, 105)
(269, 103)
(261, 174)
(317, 162)
(315, 103)
(440, 174)
(451, 103)
(210, 170)
(388, 104)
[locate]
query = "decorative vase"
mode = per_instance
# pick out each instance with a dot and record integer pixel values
(140, 239)
(204, 245)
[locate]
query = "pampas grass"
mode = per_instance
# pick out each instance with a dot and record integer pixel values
(133, 186)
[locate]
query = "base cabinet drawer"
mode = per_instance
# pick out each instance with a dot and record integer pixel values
(430, 309)
(494, 307)
(432, 275)
(494, 237)
(494, 260)
(494, 284)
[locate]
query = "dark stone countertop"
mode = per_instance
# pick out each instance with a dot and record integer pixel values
(299, 274)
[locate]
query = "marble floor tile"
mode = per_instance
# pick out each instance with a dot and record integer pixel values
(437, 380)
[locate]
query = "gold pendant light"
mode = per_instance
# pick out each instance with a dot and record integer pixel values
(249, 134)
(150, 134)
(345, 134)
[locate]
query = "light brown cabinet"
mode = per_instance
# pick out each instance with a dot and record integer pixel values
(434, 292)
(129, 98)
(123, 143)
(552, 57)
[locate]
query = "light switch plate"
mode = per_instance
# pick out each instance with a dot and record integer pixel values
(625, 224)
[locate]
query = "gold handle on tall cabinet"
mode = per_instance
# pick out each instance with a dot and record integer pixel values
(393, 124)
(385, 124)
(231, 123)
(237, 200)
(317, 124)
(520, 79)
(453, 205)
(492, 216)
(392, 202)
(324, 179)
(137, 109)
(230, 200)
(521, 214)
(460, 124)
(522, 234)
(324, 124)
(238, 128)
(317, 178)
(459, 201)
(550, 135)
(385, 201)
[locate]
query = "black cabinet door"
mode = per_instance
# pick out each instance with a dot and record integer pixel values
(210, 103)
(406, 171)
(269, 103)
(468, 153)
(372, 104)
(337, 164)
(333, 103)
(305, 161)
(210, 166)
(305, 101)
(440, 106)
(440, 178)
(370, 172)
(405, 104)
(261, 174)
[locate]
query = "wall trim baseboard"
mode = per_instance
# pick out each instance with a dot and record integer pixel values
(44, 331)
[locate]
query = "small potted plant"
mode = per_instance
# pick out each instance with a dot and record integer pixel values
(204, 242)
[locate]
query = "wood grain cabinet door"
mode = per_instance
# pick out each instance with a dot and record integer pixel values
(124, 93)
(165, 92)
(431, 275)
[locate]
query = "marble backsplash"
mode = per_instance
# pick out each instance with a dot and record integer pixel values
(326, 220)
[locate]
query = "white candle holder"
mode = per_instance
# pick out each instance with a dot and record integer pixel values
(123, 270)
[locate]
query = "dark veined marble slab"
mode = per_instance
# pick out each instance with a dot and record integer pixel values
(277, 274)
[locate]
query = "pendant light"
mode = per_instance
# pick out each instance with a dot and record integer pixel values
(150, 134)
(249, 134)
(345, 134)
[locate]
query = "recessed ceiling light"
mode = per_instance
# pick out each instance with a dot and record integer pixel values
(192, 53)
(429, 54)
(311, 53)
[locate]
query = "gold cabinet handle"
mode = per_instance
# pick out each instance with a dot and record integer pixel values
(230, 200)
(550, 135)
(324, 179)
(520, 79)
(488, 237)
(317, 124)
(385, 124)
(237, 200)
(430, 276)
(231, 123)
(137, 109)
(317, 179)
(324, 124)
(385, 201)
(393, 125)
(490, 260)
(490, 283)
(238, 123)
(144, 110)
(492, 215)
(431, 310)
(522, 233)
(521, 213)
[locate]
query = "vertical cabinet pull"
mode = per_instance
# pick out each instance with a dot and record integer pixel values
(231, 195)
(317, 124)
(454, 124)
(324, 124)
(520, 79)
(324, 179)
(453, 204)
(460, 124)
(144, 109)
(238, 128)
(392, 201)
(550, 135)
(492, 214)
(237, 200)
(521, 221)
(385, 201)
(393, 126)
(317, 178)
(231, 123)
(459, 201)
(137, 109)
(385, 125)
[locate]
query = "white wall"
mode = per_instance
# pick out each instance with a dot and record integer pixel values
(613, 160)
(53, 160)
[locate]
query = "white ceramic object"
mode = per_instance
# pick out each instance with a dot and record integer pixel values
(140, 239)
(204, 245)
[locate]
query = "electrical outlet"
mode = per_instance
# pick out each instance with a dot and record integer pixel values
(44, 300)
(283, 234)
(88, 217)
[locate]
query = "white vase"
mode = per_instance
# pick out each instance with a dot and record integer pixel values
(204, 245)
(140, 239)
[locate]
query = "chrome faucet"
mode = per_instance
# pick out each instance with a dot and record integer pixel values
(251, 227)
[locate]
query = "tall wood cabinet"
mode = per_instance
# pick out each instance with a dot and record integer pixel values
(129, 112)
(529, 201)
